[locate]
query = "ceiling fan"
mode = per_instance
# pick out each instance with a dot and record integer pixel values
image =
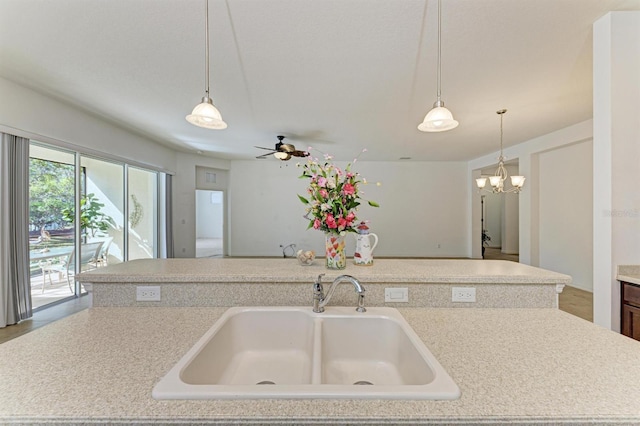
(283, 151)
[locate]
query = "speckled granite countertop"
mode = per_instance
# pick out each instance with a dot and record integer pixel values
(629, 273)
(512, 366)
(288, 270)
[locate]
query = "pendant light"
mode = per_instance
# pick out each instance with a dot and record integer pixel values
(439, 119)
(205, 114)
(497, 180)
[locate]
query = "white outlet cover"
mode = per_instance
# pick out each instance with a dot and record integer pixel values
(463, 294)
(396, 294)
(148, 293)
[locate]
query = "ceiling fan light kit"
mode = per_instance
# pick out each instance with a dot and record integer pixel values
(283, 151)
(205, 114)
(439, 119)
(497, 180)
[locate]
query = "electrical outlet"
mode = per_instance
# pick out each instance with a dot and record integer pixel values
(396, 294)
(463, 294)
(148, 293)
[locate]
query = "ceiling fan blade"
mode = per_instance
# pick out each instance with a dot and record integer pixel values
(298, 153)
(265, 155)
(269, 149)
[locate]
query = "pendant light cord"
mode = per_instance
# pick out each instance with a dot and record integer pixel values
(206, 46)
(439, 49)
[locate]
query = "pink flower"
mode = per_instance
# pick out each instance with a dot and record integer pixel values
(350, 217)
(322, 181)
(316, 224)
(342, 223)
(324, 193)
(331, 222)
(348, 189)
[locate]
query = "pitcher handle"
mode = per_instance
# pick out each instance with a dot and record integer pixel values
(375, 243)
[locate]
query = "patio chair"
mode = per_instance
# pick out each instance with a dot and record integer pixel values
(88, 255)
(102, 258)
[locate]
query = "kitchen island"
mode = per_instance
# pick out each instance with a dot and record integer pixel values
(512, 366)
(251, 282)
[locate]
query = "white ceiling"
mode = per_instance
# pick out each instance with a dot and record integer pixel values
(338, 75)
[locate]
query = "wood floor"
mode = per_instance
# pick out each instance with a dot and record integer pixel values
(44, 317)
(577, 302)
(572, 300)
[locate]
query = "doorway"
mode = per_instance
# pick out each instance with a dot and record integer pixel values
(209, 223)
(497, 219)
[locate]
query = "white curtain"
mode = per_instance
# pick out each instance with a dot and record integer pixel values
(15, 285)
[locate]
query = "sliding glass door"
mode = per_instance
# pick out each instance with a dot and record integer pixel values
(52, 186)
(85, 213)
(142, 213)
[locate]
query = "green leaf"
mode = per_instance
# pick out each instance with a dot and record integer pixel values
(373, 204)
(304, 200)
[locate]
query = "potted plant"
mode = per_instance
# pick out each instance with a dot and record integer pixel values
(92, 219)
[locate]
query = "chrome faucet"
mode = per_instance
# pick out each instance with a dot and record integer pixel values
(319, 299)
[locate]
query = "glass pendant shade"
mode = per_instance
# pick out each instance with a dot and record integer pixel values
(517, 181)
(495, 180)
(206, 115)
(439, 119)
(281, 155)
(481, 182)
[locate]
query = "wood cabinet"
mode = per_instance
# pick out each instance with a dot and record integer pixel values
(630, 321)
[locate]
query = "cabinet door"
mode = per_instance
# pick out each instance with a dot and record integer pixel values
(631, 322)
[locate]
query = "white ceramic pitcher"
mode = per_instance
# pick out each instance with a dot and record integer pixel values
(364, 248)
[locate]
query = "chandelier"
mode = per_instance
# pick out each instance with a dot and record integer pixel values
(497, 180)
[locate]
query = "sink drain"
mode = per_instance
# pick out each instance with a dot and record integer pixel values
(266, 382)
(363, 382)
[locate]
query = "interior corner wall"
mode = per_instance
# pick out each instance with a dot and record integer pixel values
(420, 214)
(528, 200)
(616, 153)
(31, 112)
(565, 210)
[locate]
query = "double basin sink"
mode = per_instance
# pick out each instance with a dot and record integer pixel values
(291, 352)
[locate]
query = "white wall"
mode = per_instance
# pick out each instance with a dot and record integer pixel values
(493, 206)
(565, 212)
(419, 210)
(510, 219)
(209, 214)
(34, 114)
(616, 153)
(526, 153)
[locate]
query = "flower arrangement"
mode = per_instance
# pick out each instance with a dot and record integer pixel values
(333, 195)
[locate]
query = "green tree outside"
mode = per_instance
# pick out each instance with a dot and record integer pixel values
(51, 192)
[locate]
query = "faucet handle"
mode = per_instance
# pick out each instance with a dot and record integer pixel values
(317, 286)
